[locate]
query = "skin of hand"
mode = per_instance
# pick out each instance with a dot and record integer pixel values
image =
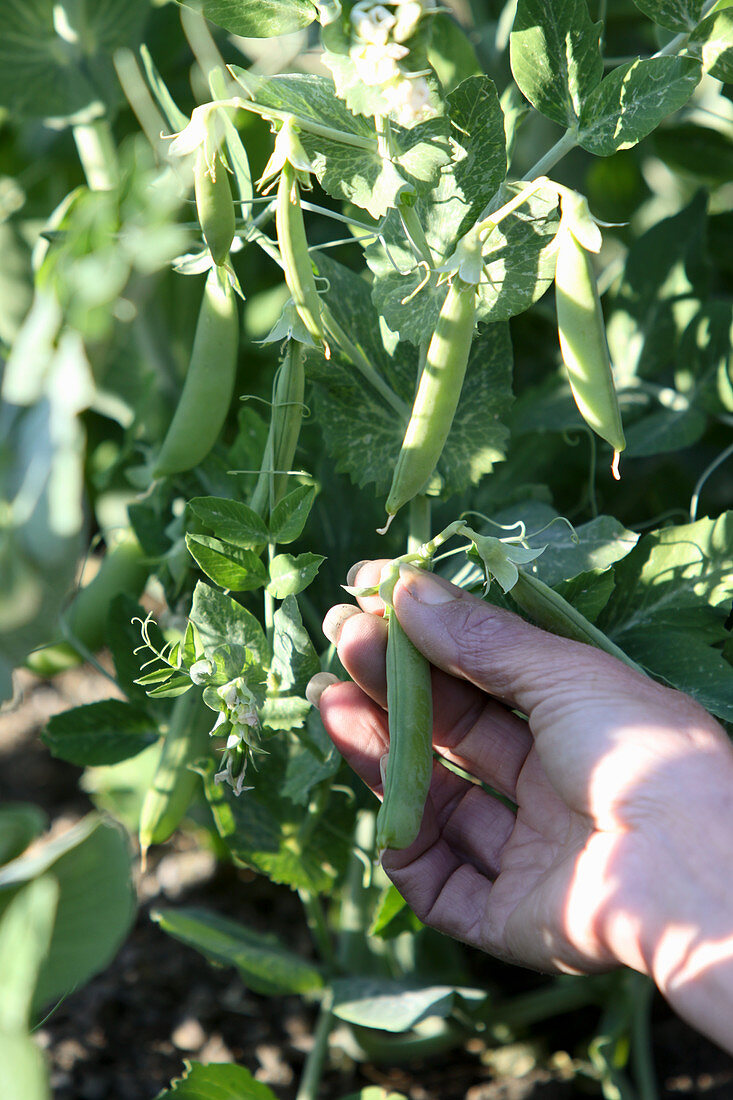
(620, 849)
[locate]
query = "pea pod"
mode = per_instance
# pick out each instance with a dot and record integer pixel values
(410, 761)
(293, 245)
(174, 783)
(123, 569)
(287, 415)
(437, 396)
(583, 342)
(214, 205)
(207, 391)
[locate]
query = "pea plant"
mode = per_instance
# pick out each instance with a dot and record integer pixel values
(312, 282)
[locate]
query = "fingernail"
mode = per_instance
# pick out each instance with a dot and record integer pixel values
(335, 620)
(426, 587)
(317, 685)
(352, 573)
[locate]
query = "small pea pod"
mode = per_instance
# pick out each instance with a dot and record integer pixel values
(214, 205)
(410, 761)
(207, 391)
(282, 440)
(293, 245)
(174, 783)
(583, 342)
(123, 570)
(437, 397)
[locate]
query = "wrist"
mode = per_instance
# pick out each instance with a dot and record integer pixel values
(682, 933)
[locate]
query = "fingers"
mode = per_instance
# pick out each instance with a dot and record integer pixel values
(471, 730)
(460, 814)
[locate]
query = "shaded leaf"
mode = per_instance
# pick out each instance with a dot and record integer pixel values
(100, 733)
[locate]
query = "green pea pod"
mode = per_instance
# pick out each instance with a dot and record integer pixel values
(583, 342)
(207, 391)
(214, 205)
(174, 783)
(437, 396)
(123, 570)
(282, 440)
(410, 761)
(552, 612)
(293, 245)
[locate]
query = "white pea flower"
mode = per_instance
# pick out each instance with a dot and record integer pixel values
(409, 14)
(378, 64)
(201, 670)
(409, 99)
(373, 23)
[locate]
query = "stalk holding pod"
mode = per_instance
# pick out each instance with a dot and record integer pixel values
(207, 391)
(581, 329)
(409, 764)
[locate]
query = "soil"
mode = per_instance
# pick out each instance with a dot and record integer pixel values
(125, 1034)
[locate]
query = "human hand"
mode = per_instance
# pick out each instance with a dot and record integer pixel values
(611, 774)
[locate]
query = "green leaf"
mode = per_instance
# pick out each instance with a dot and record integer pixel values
(395, 1006)
(257, 18)
(675, 15)
(25, 935)
(464, 190)
(346, 158)
(589, 592)
(556, 57)
(284, 712)
(220, 620)
(228, 566)
(669, 608)
(289, 515)
(262, 828)
(55, 59)
(90, 861)
(712, 42)
(633, 99)
(100, 733)
(665, 431)
(219, 1081)
(20, 823)
(311, 761)
(264, 963)
(568, 552)
(294, 660)
(290, 575)
(393, 916)
(520, 259)
(231, 521)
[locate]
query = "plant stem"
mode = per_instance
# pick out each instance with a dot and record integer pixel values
(309, 1082)
(269, 601)
(97, 153)
(419, 522)
(362, 364)
(560, 149)
(353, 953)
(641, 1040)
(318, 928)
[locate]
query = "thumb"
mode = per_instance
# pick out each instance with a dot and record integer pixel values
(507, 657)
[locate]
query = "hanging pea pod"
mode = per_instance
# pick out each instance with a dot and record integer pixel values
(409, 764)
(214, 205)
(293, 246)
(582, 333)
(174, 783)
(282, 439)
(207, 391)
(437, 396)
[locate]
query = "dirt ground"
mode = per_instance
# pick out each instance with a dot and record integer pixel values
(126, 1033)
